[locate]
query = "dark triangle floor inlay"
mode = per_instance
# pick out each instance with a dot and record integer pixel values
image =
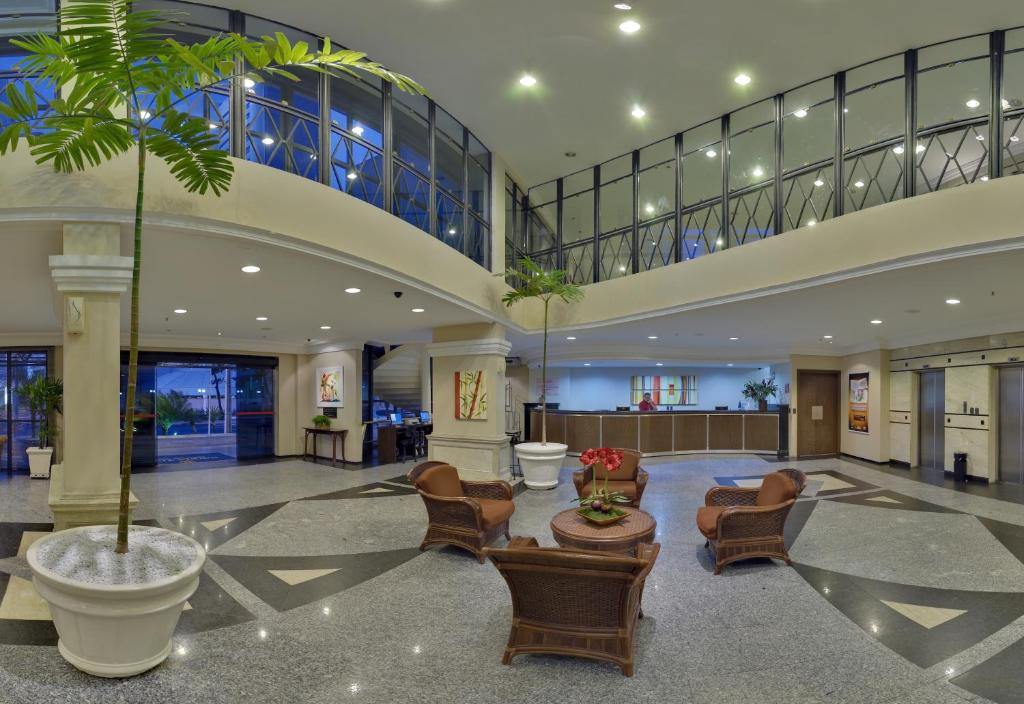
(891, 499)
(375, 490)
(862, 601)
(221, 526)
(1010, 535)
(998, 678)
(254, 573)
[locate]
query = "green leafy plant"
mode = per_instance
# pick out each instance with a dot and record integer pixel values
(321, 422)
(45, 396)
(761, 391)
(122, 84)
(535, 282)
(173, 407)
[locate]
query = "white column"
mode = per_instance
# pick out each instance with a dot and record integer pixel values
(90, 278)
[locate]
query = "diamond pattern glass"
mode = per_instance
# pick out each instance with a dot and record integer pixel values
(702, 231)
(807, 198)
(279, 139)
(579, 263)
(952, 158)
(356, 169)
(874, 178)
(616, 255)
(752, 215)
(657, 244)
(411, 197)
(1013, 145)
(449, 223)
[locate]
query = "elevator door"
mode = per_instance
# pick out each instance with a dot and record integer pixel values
(933, 427)
(1011, 424)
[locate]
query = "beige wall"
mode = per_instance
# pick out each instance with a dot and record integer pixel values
(903, 417)
(302, 388)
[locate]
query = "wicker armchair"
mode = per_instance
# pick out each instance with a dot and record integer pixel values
(629, 478)
(741, 523)
(469, 515)
(573, 602)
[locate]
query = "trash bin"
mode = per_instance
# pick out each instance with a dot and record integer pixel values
(960, 466)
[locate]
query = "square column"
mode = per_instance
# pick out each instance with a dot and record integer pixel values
(90, 277)
(477, 445)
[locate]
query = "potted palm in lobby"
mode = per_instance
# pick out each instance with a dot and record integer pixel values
(541, 461)
(121, 82)
(44, 396)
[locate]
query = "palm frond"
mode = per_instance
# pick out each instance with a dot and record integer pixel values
(536, 282)
(186, 144)
(75, 143)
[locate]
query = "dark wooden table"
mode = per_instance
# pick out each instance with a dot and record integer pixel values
(335, 433)
(571, 530)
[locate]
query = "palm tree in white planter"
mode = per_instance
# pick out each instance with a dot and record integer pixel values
(541, 461)
(123, 84)
(44, 397)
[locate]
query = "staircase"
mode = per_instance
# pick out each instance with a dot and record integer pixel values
(398, 377)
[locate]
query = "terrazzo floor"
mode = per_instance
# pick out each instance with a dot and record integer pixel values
(315, 591)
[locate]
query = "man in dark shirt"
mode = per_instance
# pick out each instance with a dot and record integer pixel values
(647, 404)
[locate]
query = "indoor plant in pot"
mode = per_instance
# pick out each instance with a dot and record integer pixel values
(761, 391)
(321, 421)
(124, 88)
(599, 506)
(541, 461)
(44, 397)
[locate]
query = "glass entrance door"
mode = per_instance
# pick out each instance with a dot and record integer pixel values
(254, 414)
(17, 429)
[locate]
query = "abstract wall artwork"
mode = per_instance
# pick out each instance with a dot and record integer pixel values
(665, 390)
(329, 387)
(858, 404)
(470, 395)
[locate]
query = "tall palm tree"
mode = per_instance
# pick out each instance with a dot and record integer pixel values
(534, 282)
(122, 83)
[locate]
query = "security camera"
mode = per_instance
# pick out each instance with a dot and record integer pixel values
(398, 294)
(309, 339)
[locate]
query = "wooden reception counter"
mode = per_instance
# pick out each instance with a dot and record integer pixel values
(666, 432)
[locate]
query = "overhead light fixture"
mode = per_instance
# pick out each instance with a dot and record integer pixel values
(181, 311)
(249, 83)
(268, 140)
(818, 183)
(527, 80)
(353, 289)
(800, 113)
(733, 339)
(638, 112)
(262, 318)
(586, 364)
(1005, 104)
(652, 337)
(325, 327)
(145, 114)
(972, 103)
(758, 172)
(897, 149)
(251, 269)
(622, 6)
(417, 310)
(719, 242)
(649, 208)
(357, 130)
(570, 337)
(658, 364)
(214, 126)
(1014, 138)
(452, 230)
(742, 79)
(858, 184)
(710, 153)
(826, 337)
(812, 223)
(919, 148)
(729, 364)
(876, 321)
(980, 137)
(984, 178)
(629, 27)
(953, 301)
(622, 268)
(351, 175)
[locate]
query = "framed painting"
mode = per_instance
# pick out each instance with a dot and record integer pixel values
(470, 395)
(329, 387)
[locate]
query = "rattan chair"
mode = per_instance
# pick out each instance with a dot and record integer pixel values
(573, 602)
(470, 515)
(629, 478)
(740, 523)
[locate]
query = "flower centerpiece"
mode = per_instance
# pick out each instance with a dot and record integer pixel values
(599, 506)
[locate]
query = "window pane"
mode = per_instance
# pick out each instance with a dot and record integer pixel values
(875, 114)
(479, 152)
(357, 108)
(617, 193)
(657, 191)
(578, 217)
(279, 139)
(751, 157)
(412, 134)
(702, 170)
(665, 150)
(808, 125)
(448, 153)
(874, 73)
(543, 217)
(185, 13)
(955, 89)
(1013, 102)
(479, 190)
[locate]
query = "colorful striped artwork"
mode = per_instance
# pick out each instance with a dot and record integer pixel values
(470, 395)
(665, 390)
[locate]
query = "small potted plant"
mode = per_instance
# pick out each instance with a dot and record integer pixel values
(44, 396)
(761, 391)
(599, 507)
(322, 422)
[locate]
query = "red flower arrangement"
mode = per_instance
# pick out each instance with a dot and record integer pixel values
(599, 506)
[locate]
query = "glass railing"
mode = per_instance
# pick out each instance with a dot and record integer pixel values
(928, 119)
(402, 153)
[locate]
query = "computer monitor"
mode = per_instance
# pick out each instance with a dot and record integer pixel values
(424, 416)
(622, 408)
(396, 418)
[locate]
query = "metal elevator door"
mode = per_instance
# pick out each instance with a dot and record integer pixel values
(933, 427)
(1011, 424)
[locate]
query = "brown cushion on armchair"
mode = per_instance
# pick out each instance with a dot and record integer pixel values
(628, 488)
(442, 480)
(775, 489)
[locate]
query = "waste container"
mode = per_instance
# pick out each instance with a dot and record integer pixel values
(960, 466)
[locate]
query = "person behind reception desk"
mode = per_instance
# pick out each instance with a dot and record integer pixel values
(647, 404)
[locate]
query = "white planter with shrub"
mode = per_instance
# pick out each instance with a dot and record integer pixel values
(39, 461)
(541, 463)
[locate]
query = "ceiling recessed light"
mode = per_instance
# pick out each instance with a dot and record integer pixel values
(249, 83)
(818, 183)
(145, 114)
(357, 130)
(652, 337)
(586, 364)
(571, 337)
(527, 80)
(953, 301)
(1014, 138)
(351, 175)
(919, 148)
(251, 269)
(972, 103)
(984, 178)
(353, 289)
(262, 318)
(812, 223)
(268, 140)
(897, 150)
(734, 338)
(742, 79)
(658, 364)
(629, 27)
(758, 172)
(719, 242)
(417, 310)
(710, 153)
(826, 337)
(181, 311)
(876, 321)
(214, 126)
(729, 364)
(325, 327)
(1005, 104)
(622, 6)
(858, 184)
(649, 208)
(800, 113)
(452, 230)
(638, 112)
(622, 268)
(980, 137)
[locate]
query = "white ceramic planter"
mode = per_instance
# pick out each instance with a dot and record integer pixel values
(39, 460)
(116, 630)
(541, 463)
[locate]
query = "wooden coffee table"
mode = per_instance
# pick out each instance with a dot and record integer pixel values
(622, 538)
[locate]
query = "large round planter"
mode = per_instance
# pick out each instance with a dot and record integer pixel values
(541, 463)
(123, 629)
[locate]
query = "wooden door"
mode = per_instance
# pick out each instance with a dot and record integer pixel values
(817, 413)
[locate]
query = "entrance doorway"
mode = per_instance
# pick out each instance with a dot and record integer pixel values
(932, 435)
(202, 408)
(1011, 424)
(817, 420)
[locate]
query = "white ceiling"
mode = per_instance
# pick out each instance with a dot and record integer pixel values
(679, 66)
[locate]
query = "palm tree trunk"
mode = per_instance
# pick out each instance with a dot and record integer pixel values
(544, 382)
(133, 360)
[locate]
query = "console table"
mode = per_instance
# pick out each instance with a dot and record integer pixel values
(334, 433)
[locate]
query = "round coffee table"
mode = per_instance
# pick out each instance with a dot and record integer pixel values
(571, 530)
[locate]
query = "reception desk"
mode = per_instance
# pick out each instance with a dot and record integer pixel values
(666, 432)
